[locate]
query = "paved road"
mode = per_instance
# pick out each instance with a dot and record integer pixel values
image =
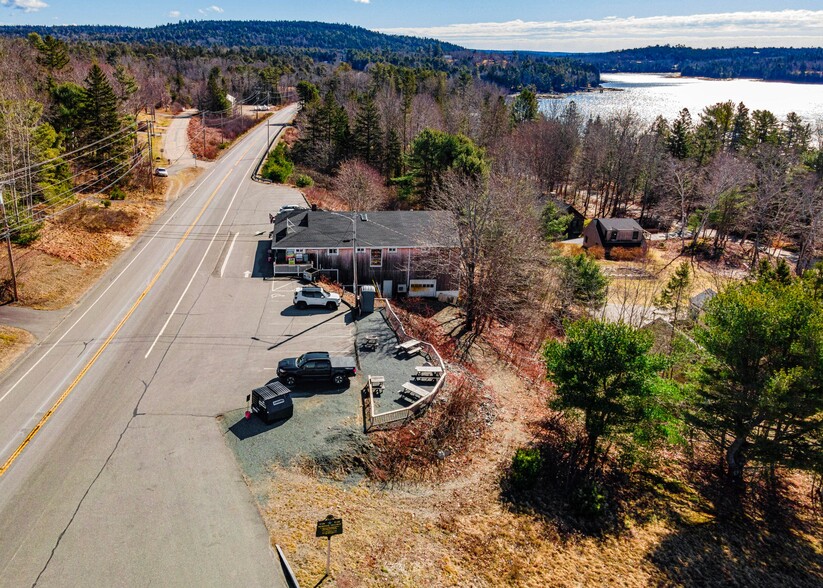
(129, 481)
(176, 142)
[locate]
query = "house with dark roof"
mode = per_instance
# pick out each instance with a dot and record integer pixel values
(575, 228)
(400, 252)
(613, 232)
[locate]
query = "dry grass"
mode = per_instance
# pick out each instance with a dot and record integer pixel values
(13, 343)
(455, 526)
(75, 248)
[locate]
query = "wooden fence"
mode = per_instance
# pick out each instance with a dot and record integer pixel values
(374, 420)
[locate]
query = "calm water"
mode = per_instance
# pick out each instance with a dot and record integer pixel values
(650, 95)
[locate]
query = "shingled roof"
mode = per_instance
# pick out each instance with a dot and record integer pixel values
(319, 229)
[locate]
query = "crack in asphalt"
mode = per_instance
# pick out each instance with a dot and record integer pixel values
(135, 413)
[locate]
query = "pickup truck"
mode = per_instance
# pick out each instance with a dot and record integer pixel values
(316, 366)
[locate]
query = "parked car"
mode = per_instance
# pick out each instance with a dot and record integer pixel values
(317, 366)
(315, 296)
(161, 172)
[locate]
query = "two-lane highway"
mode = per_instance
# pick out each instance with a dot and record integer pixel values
(113, 470)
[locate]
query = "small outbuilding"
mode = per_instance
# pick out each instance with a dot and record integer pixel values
(613, 232)
(697, 303)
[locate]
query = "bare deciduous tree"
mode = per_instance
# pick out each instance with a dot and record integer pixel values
(361, 186)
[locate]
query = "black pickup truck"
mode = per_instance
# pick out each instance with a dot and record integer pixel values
(316, 366)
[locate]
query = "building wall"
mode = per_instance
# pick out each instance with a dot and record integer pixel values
(399, 265)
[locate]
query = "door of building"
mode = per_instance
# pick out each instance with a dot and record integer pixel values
(387, 288)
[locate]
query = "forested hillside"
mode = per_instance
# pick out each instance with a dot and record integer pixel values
(771, 63)
(299, 44)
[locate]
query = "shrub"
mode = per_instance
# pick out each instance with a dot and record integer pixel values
(303, 181)
(106, 203)
(526, 465)
(117, 193)
(597, 252)
(589, 499)
(627, 253)
(278, 168)
(27, 234)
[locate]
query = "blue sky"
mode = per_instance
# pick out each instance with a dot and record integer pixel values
(549, 25)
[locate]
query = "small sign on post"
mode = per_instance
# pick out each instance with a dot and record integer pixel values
(329, 527)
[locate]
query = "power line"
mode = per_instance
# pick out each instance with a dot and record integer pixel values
(60, 158)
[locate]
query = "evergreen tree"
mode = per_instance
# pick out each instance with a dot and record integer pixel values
(680, 141)
(126, 82)
(759, 396)
(525, 106)
(392, 155)
(367, 133)
(216, 100)
(605, 376)
(741, 128)
(101, 120)
(53, 53)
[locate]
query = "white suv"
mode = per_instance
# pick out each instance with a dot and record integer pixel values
(314, 296)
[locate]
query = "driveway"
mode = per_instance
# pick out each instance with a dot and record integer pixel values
(176, 142)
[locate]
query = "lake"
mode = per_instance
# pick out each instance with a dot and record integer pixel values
(650, 95)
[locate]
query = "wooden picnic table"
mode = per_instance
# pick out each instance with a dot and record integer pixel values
(370, 342)
(427, 370)
(378, 384)
(415, 392)
(409, 344)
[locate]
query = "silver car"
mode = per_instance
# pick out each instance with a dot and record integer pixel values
(161, 172)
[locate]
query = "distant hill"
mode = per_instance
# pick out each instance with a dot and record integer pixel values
(247, 33)
(769, 63)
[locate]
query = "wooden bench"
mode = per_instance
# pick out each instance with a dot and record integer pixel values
(413, 392)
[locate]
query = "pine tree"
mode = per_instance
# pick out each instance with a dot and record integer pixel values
(367, 133)
(216, 100)
(101, 120)
(128, 85)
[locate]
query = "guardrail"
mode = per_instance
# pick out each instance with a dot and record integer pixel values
(383, 419)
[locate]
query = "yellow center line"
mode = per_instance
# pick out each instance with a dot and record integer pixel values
(47, 415)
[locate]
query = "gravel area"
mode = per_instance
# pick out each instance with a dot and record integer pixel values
(383, 361)
(325, 430)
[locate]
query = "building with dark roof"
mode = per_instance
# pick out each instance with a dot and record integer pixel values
(398, 251)
(575, 228)
(613, 232)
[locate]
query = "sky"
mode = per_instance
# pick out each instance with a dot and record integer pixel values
(540, 25)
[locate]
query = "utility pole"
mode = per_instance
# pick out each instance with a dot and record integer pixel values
(8, 245)
(354, 255)
(151, 157)
(204, 141)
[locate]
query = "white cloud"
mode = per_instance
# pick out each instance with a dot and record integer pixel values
(363, 1)
(25, 5)
(216, 9)
(773, 28)
(174, 13)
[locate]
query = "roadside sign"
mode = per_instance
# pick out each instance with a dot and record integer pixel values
(329, 527)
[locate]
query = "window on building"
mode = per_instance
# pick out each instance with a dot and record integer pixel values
(299, 250)
(376, 258)
(332, 251)
(614, 236)
(392, 249)
(361, 249)
(635, 235)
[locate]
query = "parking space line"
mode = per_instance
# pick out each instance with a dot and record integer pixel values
(225, 261)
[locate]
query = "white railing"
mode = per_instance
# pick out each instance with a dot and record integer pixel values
(382, 419)
(286, 269)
